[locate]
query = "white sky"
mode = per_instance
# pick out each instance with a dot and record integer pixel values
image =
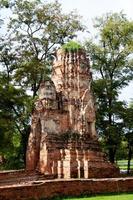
(89, 9)
(93, 8)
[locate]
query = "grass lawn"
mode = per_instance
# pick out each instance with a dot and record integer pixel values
(123, 164)
(106, 197)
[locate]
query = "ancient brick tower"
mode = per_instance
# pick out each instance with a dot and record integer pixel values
(63, 140)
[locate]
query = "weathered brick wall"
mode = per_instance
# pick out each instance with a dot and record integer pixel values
(51, 188)
(13, 173)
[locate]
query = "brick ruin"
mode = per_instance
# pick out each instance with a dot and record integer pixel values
(63, 142)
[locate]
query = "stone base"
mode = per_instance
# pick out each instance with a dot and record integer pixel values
(78, 159)
(96, 167)
(102, 170)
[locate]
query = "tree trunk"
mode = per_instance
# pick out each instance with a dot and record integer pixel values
(129, 159)
(112, 153)
(24, 142)
(112, 148)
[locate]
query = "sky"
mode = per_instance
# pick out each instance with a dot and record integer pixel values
(90, 9)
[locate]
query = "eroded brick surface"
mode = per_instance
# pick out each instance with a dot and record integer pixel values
(63, 140)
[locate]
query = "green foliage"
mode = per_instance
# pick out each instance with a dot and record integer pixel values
(128, 130)
(122, 151)
(37, 29)
(13, 119)
(4, 3)
(112, 61)
(71, 46)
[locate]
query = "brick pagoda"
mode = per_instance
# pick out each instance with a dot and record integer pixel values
(63, 141)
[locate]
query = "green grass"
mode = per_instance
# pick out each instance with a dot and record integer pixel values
(124, 161)
(101, 197)
(123, 164)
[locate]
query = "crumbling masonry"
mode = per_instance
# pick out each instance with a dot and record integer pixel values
(63, 141)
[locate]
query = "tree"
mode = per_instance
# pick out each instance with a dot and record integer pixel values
(128, 130)
(13, 112)
(4, 3)
(36, 30)
(14, 105)
(113, 68)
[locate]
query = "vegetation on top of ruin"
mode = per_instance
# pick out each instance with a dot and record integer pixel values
(72, 46)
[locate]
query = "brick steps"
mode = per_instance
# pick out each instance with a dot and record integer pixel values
(22, 180)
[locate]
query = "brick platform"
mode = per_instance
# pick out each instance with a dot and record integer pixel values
(57, 187)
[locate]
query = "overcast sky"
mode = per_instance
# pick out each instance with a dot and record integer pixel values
(89, 9)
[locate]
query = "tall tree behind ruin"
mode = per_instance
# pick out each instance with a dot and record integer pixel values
(38, 28)
(112, 62)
